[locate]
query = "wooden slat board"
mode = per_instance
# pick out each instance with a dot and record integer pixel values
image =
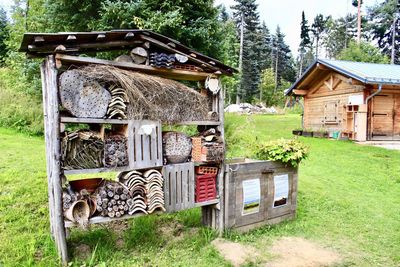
(179, 186)
(144, 151)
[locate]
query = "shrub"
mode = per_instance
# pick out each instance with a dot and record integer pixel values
(288, 151)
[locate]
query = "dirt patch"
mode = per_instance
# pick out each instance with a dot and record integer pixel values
(298, 252)
(82, 251)
(118, 227)
(235, 253)
(172, 230)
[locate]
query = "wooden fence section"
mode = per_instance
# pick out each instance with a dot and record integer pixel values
(179, 186)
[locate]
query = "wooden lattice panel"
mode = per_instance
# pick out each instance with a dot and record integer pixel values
(178, 186)
(144, 144)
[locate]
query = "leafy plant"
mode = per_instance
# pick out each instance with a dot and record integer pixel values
(288, 151)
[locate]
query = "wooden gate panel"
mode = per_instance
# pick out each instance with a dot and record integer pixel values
(382, 115)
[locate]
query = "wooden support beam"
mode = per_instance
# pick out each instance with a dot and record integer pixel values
(86, 46)
(64, 62)
(53, 152)
(173, 50)
(300, 91)
(322, 67)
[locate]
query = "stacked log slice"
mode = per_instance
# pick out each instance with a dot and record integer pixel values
(115, 151)
(112, 199)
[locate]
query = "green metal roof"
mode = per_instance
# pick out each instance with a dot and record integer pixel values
(370, 73)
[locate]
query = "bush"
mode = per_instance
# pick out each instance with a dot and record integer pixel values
(287, 151)
(18, 109)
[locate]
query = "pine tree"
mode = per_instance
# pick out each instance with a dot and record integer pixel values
(339, 32)
(265, 47)
(318, 28)
(250, 70)
(381, 18)
(282, 62)
(305, 42)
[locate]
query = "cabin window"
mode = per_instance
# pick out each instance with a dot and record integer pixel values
(331, 112)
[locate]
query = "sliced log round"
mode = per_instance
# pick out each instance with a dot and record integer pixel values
(82, 97)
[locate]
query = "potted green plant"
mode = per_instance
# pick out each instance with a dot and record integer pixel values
(321, 133)
(287, 151)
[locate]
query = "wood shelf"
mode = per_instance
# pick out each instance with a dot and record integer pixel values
(91, 120)
(211, 123)
(206, 203)
(98, 170)
(101, 219)
(65, 119)
(64, 61)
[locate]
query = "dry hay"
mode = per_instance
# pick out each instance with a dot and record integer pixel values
(152, 97)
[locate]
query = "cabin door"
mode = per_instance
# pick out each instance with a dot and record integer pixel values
(385, 123)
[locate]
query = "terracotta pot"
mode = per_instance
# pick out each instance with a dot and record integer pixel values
(90, 184)
(79, 212)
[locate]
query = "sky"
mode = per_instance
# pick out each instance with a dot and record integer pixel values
(287, 13)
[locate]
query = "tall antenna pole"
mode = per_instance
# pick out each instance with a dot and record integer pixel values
(359, 21)
(240, 56)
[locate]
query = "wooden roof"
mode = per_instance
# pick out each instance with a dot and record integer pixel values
(42, 44)
(366, 73)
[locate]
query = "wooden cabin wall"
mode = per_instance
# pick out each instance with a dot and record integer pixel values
(319, 102)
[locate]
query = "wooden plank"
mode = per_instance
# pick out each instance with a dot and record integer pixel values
(207, 203)
(300, 92)
(64, 61)
(64, 119)
(97, 170)
(53, 151)
(43, 72)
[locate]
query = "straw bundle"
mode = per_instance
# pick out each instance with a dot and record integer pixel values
(151, 97)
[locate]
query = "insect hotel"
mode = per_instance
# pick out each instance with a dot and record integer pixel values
(108, 115)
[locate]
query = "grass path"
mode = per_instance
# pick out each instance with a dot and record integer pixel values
(348, 200)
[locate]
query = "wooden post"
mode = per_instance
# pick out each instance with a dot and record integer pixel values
(213, 216)
(52, 138)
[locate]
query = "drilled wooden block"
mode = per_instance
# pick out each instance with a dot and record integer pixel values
(82, 97)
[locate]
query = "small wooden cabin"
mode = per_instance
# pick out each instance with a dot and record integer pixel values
(359, 100)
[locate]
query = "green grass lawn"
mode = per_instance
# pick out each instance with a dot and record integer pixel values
(348, 200)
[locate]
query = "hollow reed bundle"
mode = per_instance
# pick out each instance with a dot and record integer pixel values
(151, 97)
(82, 150)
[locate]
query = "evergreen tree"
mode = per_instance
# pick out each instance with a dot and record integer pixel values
(250, 72)
(381, 17)
(318, 28)
(282, 63)
(305, 42)
(264, 47)
(4, 34)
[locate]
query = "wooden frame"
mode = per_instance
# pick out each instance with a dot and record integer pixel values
(213, 210)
